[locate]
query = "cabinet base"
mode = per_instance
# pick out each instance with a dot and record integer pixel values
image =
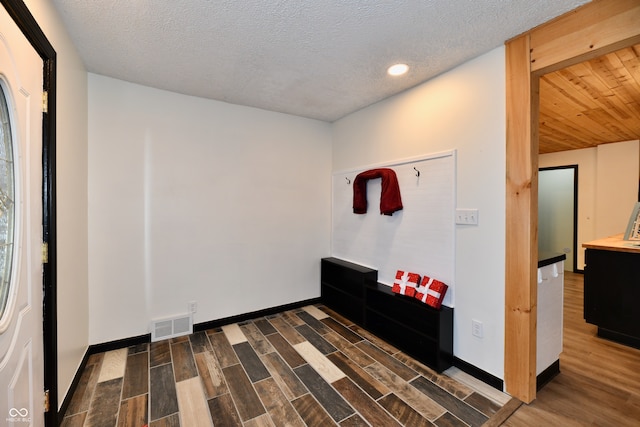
(547, 375)
(619, 338)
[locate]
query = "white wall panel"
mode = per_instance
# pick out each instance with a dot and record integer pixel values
(199, 200)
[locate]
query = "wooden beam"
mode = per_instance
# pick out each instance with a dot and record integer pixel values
(587, 32)
(521, 231)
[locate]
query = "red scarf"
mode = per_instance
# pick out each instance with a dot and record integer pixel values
(390, 200)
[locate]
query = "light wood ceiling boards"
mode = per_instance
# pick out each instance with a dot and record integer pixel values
(591, 103)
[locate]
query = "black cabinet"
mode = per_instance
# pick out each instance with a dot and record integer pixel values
(342, 287)
(414, 327)
(611, 294)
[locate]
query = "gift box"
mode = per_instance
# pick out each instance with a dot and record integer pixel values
(405, 283)
(431, 292)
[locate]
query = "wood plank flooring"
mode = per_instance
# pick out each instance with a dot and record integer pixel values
(599, 380)
(303, 367)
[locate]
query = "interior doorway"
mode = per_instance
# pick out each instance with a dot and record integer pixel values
(558, 212)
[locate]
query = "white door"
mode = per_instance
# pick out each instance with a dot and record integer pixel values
(21, 341)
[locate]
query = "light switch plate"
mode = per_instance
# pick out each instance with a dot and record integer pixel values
(467, 216)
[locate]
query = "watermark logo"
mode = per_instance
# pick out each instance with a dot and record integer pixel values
(18, 415)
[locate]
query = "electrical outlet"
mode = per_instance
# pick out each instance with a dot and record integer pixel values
(193, 306)
(476, 328)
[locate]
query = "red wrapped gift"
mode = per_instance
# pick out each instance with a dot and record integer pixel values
(431, 292)
(405, 283)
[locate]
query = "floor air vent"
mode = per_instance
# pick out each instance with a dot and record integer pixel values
(171, 327)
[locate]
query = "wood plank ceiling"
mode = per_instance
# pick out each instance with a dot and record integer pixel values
(591, 103)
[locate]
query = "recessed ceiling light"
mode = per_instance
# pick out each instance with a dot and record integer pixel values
(398, 69)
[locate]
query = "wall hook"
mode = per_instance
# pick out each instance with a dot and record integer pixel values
(417, 171)
(348, 180)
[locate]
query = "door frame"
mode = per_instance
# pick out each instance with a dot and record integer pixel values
(34, 34)
(597, 28)
(574, 243)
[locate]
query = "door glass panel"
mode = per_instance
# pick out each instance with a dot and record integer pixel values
(7, 205)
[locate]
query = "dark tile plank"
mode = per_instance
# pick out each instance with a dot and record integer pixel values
(314, 338)
(452, 386)
(256, 339)
(457, 407)
(139, 348)
(265, 327)
(417, 400)
(289, 383)
(277, 404)
(184, 366)
(211, 375)
(291, 318)
(350, 350)
(286, 330)
(288, 353)
(331, 401)
(247, 401)
(133, 412)
(367, 383)
(354, 421)
(366, 406)
(263, 420)
(223, 350)
(387, 361)
(482, 404)
(251, 362)
(223, 412)
(170, 421)
(162, 394)
(81, 399)
(105, 404)
(342, 330)
(177, 340)
(136, 375)
(74, 420)
(160, 353)
(311, 412)
(403, 412)
(200, 342)
(450, 420)
(334, 315)
(314, 323)
(378, 342)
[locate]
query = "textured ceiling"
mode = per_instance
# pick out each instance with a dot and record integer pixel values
(314, 58)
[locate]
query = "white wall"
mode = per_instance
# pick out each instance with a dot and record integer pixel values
(590, 161)
(193, 199)
(71, 152)
(463, 109)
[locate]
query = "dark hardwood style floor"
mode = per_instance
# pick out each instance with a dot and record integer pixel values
(304, 367)
(599, 380)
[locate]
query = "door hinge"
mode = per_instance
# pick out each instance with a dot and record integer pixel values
(45, 252)
(46, 401)
(45, 102)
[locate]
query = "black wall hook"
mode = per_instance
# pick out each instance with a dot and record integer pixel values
(348, 180)
(417, 171)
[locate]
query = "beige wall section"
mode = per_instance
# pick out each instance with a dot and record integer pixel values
(71, 152)
(616, 186)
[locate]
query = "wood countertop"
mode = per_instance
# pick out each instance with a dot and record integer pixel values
(614, 243)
